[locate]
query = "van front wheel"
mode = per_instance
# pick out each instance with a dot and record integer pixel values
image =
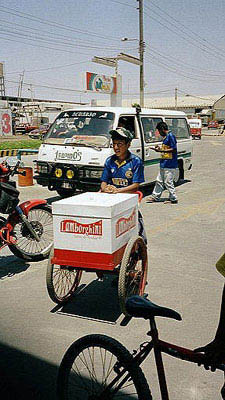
(65, 192)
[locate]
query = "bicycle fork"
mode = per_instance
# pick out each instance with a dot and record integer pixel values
(27, 223)
(158, 360)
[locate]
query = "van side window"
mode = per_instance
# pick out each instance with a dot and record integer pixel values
(127, 122)
(179, 127)
(149, 128)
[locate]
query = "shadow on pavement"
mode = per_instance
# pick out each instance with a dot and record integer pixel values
(11, 265)
(182, 182)
(23, 376)
(97, 300)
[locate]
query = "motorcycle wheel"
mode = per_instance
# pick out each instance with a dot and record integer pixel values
(26, 246)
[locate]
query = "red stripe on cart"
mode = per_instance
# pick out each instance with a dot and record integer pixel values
(87, 260)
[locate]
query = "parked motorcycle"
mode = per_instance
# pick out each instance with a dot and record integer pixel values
(28, 230)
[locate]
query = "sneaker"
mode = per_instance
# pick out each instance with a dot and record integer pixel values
(152, 200)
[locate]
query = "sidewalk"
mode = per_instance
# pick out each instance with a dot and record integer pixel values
(212, 132)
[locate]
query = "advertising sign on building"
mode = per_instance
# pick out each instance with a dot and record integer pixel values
(100, 83)
(5, 122)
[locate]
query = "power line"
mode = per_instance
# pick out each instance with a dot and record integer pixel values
(50, 87)
(187, 66)
(178, 72)
(204, 49)
(50, 68)
(51, 23)
(56, 42)
(47, 32)
(47, 47)
(192, 95)
(187, 28)
(124, 4)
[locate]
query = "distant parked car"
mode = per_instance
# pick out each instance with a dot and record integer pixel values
(213, 125)
(39, 132)
(24, 128)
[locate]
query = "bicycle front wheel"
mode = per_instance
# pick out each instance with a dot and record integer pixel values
(97, 367)
(26, 246)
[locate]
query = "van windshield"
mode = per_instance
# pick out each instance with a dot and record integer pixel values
(77, 127)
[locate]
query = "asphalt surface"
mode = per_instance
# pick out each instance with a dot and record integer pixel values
(185, 241)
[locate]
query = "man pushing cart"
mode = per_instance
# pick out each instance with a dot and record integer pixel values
(123, 172)
(102, 232)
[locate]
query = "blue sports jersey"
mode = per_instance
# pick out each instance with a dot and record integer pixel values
(129, 171)
(170, 160)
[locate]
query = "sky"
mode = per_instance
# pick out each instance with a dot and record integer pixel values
(52, 42)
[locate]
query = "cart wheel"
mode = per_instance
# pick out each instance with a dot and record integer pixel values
(62, 281)
(133, 271)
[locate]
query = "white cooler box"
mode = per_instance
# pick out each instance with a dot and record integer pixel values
(91, 230)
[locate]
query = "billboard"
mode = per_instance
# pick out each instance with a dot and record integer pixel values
(100, 83)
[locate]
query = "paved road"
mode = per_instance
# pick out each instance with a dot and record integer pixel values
(185, 240)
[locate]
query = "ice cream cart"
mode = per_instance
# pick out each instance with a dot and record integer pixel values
(96, 232)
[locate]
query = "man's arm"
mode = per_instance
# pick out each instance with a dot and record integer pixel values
(128, 189)
(103, 186)
(113, 189)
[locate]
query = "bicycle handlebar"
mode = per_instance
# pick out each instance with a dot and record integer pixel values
(187, 355)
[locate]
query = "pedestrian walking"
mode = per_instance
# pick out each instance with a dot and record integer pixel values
(168, 165)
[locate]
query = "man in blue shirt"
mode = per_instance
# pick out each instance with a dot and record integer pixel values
(168, 165)
(123, 171)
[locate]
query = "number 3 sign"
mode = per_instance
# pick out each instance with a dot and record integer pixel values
(6, 123)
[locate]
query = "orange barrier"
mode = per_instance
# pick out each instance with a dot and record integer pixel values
(26, 180)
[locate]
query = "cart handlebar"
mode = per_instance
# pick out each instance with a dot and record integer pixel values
(140, 195)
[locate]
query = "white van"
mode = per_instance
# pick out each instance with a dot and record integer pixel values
(195, 127)
(77, 144)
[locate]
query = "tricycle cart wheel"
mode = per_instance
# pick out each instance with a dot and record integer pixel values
(62, 281)
(133, 271)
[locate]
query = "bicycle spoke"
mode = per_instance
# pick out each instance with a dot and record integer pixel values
(92, 373)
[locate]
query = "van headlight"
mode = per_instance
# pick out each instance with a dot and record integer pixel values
(58, 172)
(70, 174)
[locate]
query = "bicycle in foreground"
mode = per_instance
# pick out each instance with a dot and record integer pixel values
(28, 229)
(98, 367)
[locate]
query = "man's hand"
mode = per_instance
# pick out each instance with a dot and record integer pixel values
(111, 189)
(214, 352)
(156, 148)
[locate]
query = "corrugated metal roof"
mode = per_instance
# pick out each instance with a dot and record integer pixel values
(169, 102)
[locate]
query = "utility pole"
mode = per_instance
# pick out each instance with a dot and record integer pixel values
(175, 98)
(141, 52)
(2, 80)
(20, 87)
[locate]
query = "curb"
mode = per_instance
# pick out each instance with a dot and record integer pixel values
(4, 153)
(17, 152)
(218, 134)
